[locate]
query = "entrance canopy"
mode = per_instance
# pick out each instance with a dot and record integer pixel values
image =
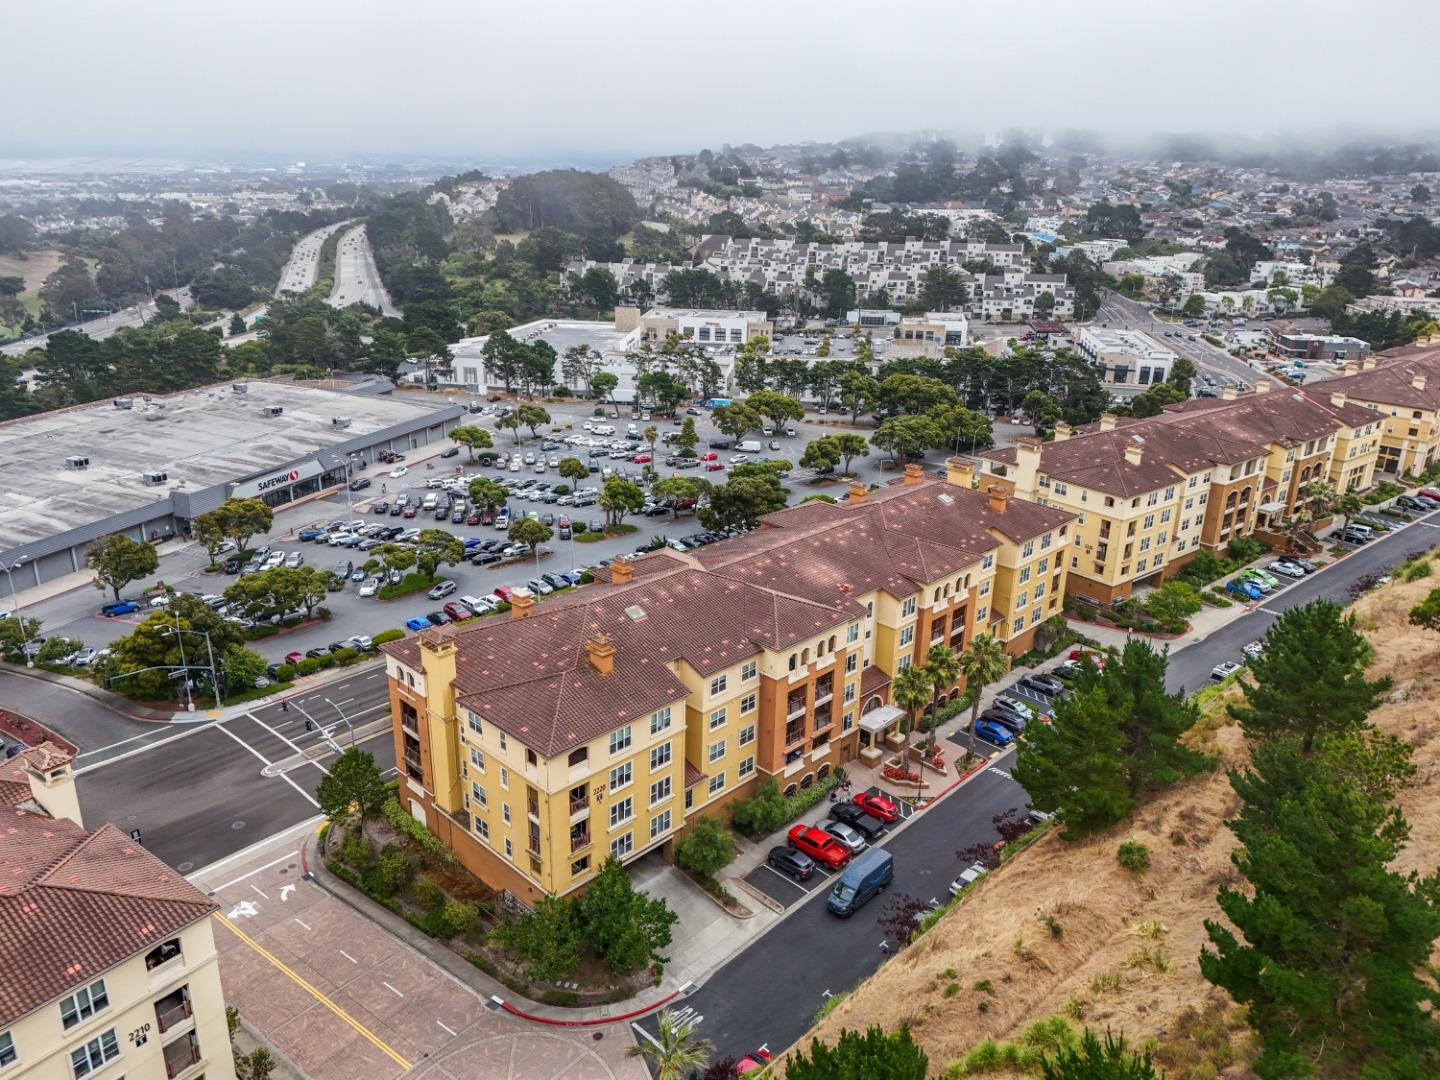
(878, 720)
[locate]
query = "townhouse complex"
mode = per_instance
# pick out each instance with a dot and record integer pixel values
(1149, 494)
(597, 723)
(108, 965)
(1003, 289)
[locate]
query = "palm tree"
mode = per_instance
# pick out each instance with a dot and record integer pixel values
(675, 1051)
(983, 661)
(910, 691)
(942, 668)
(1348, 505)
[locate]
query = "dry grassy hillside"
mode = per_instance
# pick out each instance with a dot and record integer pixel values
(1064, 930)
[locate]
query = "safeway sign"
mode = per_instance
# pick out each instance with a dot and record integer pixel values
(270, 481)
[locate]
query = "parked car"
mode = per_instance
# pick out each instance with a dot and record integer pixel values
(1224, 670)
(122, 607)
(442, 590)
(1043, 684)
(971, 874)
(847, 813)
(1257, 574)
(418, 623)
(449, 451)
(1008, 720)
(789, 861)
(294, 657)
(1253, 650)
(1287, 569)
(878, 806)
(458, 612)
(1246, 590)
(819, 845)
(850, 837)
(862, 881)
(990, 731)
(1014, 706)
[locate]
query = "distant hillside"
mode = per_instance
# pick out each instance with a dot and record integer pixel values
(1062, 930)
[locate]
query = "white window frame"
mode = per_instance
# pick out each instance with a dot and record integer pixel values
(620, 739)
(82, 1004)
(660, 790)
(622, 811)
(105, 1045)
(622, 775)
(715, 751)
(661, 755)
(660, 823)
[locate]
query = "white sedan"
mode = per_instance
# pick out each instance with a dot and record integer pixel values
(370, 586)
(398, 471)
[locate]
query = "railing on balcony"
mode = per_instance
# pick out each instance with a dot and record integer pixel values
(579, 839)
(180, 1055)
(534, 841)
(794, 733)
(532, 807)
(412, 763)
(166, 1018)
(794, 706)
(579, 802)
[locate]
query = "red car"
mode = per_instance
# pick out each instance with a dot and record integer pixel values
(1095, 658)
(1430, 493)
(709, 455)
(503, 592)
(473, 519)
(640, 459)
(753, 1061)
(819, 845)
(457, 611)
(714, 466)
(878, 806)
(410, 512)
(294, 657)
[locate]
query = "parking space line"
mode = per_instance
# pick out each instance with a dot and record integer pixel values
(787, 879)
(320, 997)
(252, 873)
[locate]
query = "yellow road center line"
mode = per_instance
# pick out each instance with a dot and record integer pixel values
(336, 1009)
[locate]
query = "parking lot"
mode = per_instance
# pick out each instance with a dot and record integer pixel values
(786, 891)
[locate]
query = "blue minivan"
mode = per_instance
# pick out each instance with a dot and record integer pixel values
(867, 875)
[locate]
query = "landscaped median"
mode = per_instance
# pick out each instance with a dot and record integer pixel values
(591, 950)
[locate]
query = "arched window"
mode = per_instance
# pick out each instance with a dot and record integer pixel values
(871, 705)
(807, 779)
(820, 648)
(792, 661)
(805, 656)
(790, 789)
(823, 771)
(936, 598)
(947, 588)
(833, 642)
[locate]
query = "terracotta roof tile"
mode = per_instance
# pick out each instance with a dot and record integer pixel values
(74, 904)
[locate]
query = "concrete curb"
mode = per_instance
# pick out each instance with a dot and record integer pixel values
(113, 702)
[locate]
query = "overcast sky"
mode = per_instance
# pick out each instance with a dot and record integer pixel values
(492, 80)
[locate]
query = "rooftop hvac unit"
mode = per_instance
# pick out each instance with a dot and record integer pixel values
(124, 403)
(272, 410)
(240, 387)
(76, 461)
(340, 421)
(154, 477)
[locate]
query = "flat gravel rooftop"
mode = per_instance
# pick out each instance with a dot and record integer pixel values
(200, 438)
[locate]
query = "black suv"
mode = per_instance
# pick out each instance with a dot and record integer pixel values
(856, 817)
(788, 861)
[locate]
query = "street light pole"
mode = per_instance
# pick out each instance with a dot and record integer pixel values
(343, 718)
(15, 600)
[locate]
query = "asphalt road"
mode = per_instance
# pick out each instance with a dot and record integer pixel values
(357, 279)
(768, 995)
(102, 327)
(301, 269)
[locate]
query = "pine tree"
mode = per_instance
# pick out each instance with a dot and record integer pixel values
(1094, 1060)
(1151, 720)
(1076, 765)
(1310, 679)
(873, 1055)
(1330, 939)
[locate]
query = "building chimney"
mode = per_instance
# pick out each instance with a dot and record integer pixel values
(858, 491)
(601, 651)
(1134, 453)
(1367, 364)
(1229, 393)
(1063, 431)
(1417, 381)
(622, 572)
(960, 472)
(1107, 421)
(522, 602)
(913, 474)
(998, 496)
(52, 781)
(1338, 399)
(1263, 387)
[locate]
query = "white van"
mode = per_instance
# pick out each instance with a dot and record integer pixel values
(604, 429)
(767, 430)
(428, 503)
(749, 446)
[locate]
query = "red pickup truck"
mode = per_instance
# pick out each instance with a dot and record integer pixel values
(819, 845)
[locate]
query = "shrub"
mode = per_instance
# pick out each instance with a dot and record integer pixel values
(706, 848)
(390, 874)
(1133, 856)
(768, 808)
(357, 850)
(407, 826)
(308, 666)
(285, 673)
(1245, 549)
(1415, 570)
(387, 635)
(344, 656)
(428, 895)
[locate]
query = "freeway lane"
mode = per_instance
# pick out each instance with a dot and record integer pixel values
(769, 993)
(357, 278)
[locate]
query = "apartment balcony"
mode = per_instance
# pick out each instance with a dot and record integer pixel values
(173, 1010)
(795, 707)
(413, 767)
(824, 720)
(825, 661)
(180, 1055)
(794, 735)
(579, 840)
(579, 804)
